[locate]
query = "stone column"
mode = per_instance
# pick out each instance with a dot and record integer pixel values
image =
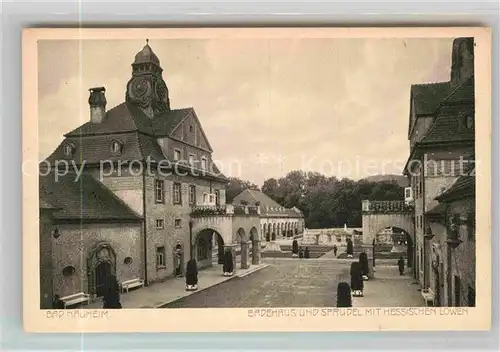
(245, 247)
(256, 253)
(231, 247)
(369, 253)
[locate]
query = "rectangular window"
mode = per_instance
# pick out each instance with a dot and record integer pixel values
(159, 191)
(177, 193)
(191, 159)
(205, 198)
(160, 224)
(192, 195)
(160, 257)
(177, 222)
(421, 221)
(217, 198)
(177, 155)
(211, 198)
(203, 163)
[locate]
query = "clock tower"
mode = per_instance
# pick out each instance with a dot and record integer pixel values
(147, 89)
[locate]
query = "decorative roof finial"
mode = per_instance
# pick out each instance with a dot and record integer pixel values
(147, 41)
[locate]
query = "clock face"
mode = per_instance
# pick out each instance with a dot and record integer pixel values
(140, 90)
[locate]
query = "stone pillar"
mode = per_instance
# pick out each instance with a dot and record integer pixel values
(369, 253)
(245, 248)
(231, 247)
(256, 253)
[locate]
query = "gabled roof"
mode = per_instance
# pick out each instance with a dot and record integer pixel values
(95, 148)
(83, 199)
(126, 117)
(268, 206)
(427, 97)
(424, 100)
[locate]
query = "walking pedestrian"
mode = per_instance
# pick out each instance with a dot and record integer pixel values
(335, 250)
(401, 265)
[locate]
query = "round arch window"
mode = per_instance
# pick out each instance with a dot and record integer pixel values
(68, 271)
(128, 260)
(116, 147)
(69, 149)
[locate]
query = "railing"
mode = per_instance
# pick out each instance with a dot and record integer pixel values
(387, 206)
(211, 210)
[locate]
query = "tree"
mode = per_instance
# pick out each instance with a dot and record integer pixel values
(363, 263)
(356, 277)
(344, 299)
(191, 275)
(350, 249)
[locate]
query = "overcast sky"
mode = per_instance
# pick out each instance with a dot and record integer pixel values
(337, 106)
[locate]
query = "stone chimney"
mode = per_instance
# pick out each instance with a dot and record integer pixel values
(97, 102)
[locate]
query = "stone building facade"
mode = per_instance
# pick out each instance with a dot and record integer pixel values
(441, 136)
(46, 229)
(275, 219)
(149, 196)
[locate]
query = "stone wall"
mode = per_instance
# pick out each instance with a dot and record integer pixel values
(75, 243)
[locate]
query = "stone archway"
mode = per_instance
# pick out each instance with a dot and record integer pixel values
(255, 242)
(401, 242)
(101, 264)
(204, 243)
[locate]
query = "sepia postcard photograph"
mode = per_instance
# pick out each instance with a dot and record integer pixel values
(256, 179)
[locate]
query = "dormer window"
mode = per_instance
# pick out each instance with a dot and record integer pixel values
(69, 149)
(116, 147)
(203, 163)
(190, 128)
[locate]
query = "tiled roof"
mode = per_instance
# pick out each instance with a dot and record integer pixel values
(450, 125)
(268, 206)
(463, 93)
(438, 210)
(96, 148)
(127, 117)
(427, 97)
(464, 185)
(84, 199)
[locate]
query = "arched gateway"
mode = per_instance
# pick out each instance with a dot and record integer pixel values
(101, 264)
(380, 215)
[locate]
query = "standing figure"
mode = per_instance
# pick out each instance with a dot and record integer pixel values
(301, 253)
(111, 298)
(401, 265)
(306, 253)
(335, 250)
(295, 248)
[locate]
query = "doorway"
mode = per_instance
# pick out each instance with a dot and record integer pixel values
(102, 273)
(178, 260)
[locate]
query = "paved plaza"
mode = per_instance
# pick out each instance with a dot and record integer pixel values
(304, 283)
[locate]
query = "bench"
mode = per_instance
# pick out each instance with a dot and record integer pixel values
(132, 283)
(428, 297)
(76, 298)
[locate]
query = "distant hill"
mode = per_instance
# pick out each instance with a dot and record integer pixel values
(400, 179)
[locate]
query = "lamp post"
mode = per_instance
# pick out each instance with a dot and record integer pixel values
(373, 244)
(190, 239)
